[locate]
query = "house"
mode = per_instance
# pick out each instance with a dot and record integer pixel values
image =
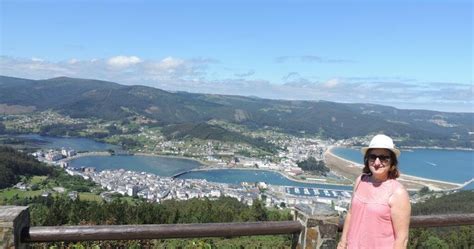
(73, 195)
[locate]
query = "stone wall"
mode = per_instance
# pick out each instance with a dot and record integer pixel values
(12, 221)
(320, 222)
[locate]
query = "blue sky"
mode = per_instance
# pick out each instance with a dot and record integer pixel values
(408, 54)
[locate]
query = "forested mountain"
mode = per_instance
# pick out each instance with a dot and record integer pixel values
(111, 101)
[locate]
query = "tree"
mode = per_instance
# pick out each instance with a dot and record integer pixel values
(14, 165)
(424, 190)
(258, 211)
(311, 164)
(434, 242)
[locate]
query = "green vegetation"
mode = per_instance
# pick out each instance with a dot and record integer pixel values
(91, 99)
(38, 185)
(460, 202)
(206, 131)
(74, 183)
(57, 130)
(14, 164)
(60, 210)
(424, 190)
(7, 194)
(314, 166)
(444, 237)
(38, 179)
(90, 197)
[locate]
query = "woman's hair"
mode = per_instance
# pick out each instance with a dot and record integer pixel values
(393, 172)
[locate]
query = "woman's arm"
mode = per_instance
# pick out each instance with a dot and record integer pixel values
(400, 209)
(343, 241)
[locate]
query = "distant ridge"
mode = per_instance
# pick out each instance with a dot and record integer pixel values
(111, 101)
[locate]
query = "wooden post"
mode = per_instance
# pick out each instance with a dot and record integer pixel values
(13, 219)
(320, 223)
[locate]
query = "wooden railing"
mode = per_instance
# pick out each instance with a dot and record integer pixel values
(311, 229)
(444, 220)
(168, 231)
(133, 232)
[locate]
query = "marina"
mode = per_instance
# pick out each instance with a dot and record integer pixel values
(317, 192)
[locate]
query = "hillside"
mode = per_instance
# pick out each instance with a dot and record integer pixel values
(14, 164)
(81, 98)
(444, 237)
(206, 131)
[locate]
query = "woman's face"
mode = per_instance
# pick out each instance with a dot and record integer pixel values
(379, 162)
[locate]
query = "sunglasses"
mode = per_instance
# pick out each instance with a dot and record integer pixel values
(382, 158)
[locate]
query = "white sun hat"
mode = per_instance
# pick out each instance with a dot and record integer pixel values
(381, 141)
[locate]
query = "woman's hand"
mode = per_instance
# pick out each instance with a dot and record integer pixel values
(342, 245)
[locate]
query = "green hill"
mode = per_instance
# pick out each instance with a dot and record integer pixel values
(83, 98)
(15, 164)
(212, 132)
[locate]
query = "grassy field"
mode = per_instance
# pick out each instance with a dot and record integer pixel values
(38, 179)
(7, 194)
(89, 197)
(10, 192)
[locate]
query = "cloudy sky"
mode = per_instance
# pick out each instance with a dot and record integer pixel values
(411, 54)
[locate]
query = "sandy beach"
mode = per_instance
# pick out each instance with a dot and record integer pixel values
(351, 170)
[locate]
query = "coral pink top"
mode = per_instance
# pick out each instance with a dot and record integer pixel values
(371, 221)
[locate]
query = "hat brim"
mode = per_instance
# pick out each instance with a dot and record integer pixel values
(395, 151)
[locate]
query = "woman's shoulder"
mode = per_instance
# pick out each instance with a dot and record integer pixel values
(399, 193)
(398, 188)
(396, 184)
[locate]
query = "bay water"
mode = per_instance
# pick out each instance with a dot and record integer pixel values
(77, 144)
(446, 165)
(455, 166)
(162, 166)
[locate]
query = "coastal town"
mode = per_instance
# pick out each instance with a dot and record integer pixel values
(156, 189)
(139, 139)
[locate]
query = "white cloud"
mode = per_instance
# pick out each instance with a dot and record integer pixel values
(198, 75)
(123, 61)
(332, 83)
(170, 63)
(37, 59)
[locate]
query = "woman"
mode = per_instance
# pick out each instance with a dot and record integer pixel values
(379, 215)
